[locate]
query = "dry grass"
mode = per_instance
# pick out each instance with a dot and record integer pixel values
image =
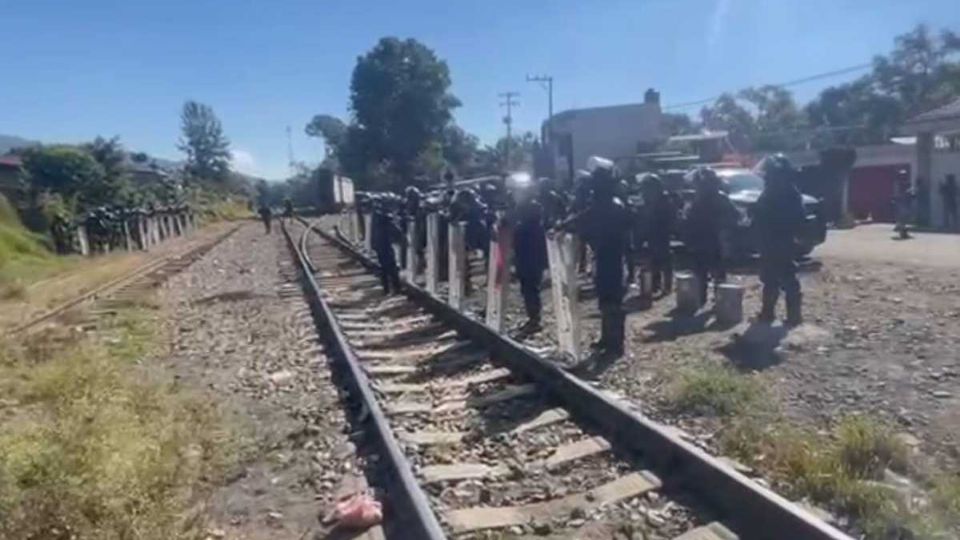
(93, 446)
(844, 470)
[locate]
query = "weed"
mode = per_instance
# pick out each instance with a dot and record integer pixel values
(713, 389)
(96, 447)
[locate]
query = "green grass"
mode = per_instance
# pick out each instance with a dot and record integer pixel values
(843, 470)
(23, 254)
(714, 390)
(94, 445)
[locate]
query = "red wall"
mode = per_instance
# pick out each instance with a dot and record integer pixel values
(871, 191)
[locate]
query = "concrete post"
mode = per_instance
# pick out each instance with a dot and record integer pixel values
(155, 230)
(562, 252)
(688, 293)
(729, 303)
(367, 228)
(924, 172)
(142, 230)
(82, 242)
(355, 226)
(413, 261)
(457, 266)
(498, 273)
(433, 254)
(128, 244)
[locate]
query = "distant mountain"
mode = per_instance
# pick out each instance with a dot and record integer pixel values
(9, 142)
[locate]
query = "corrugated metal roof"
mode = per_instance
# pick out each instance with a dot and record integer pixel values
(948, 111)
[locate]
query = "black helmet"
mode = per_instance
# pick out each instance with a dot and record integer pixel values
(776, 167)
(651, 182)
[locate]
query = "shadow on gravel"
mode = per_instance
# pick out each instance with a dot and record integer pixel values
(680, 324)
(757, 348)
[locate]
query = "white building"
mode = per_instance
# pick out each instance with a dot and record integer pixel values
(613, 132)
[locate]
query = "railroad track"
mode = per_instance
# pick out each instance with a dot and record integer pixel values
(105, 298)
(483, 438)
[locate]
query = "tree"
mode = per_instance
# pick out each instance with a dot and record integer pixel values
(677, 124)
(400, 99)
(114, 187)
(459, 149)
(726, 114)
(63, 173)
(777, 119)
(203, 141)
(330, 128)
(919, 72)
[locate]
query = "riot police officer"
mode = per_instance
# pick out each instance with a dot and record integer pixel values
(710, 216)
(604, 224)
(266, 215)
(530, 255)
(383, 235)
(778, 218)
(657, 222)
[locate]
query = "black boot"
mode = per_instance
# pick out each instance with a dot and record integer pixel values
(769, 306)
(794, 309)
(617, 335)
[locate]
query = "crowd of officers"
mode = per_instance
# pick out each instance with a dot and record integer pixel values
(625, 223)
(109, 227)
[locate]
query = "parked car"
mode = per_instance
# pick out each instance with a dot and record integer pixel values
(744, 187)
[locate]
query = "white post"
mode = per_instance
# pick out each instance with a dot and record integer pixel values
(412, 238)
(155, 229)
(367, 229)
(354, 226)
(562, 251)
(498, 273)
(82, 241)
(688, 293)
(729, 303)
(457, 266)
(142, 230)
(433, 253)
(126, 234)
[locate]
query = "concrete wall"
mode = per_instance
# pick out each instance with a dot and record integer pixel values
(610, 132)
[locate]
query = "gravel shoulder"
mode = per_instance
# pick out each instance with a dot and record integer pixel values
(241, 331)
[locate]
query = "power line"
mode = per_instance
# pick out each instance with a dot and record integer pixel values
(509, 101)
(795, 82)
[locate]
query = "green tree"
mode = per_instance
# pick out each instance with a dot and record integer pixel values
(726, 114)
(400, 99)
(330, 128)
(459, 149)
(778, 122)
(204, 143)
(114, 187)
(921, 72)
(677, 124)
(66, 170)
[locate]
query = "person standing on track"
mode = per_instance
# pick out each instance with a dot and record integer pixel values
(384, 232)
(266, 215)
(778, 217)
(709, 217)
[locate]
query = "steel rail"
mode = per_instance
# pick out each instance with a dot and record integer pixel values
(756, 512)
(116, 283)
(423, 523)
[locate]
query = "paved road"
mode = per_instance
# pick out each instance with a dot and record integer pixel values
(876, 243)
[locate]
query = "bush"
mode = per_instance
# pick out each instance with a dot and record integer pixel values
(713, 389)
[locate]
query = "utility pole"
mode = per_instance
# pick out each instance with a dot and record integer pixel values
(509, 101)
(546, 81)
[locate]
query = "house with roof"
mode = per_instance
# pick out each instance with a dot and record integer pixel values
(937, 152)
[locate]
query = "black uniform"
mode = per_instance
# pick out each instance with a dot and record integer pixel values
(530, 256)
(710, 215)
(384, 232)
(657, 221)
(605, 225)
(778, 218)
(266, 216)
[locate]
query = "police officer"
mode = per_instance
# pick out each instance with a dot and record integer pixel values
(266, 215)
(467, 208)
(287, 208)
(604, 224)
(658, 217)
(778, 218)
(384, 232)
(709, 217)
(414, 216)
(530, 255)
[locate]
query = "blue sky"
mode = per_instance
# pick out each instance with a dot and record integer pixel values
(73, 69)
